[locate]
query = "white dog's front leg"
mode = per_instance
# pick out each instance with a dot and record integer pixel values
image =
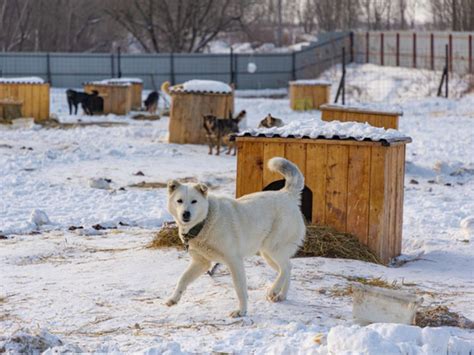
(196, 268)
(240, 283)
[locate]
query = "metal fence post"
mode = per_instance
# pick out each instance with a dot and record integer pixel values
(447, 70)
(236, 70)
(351, 41)
(470, 54)
(48, 69)
(398, 49)
(432, 51)
(381, 48)
(231, 68)
(172, 76)
(112, 65)
(293, 65)
(450, 52)
(119, 62)
(414, 50)
(367, 38)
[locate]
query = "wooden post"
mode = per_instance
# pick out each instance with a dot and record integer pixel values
(432, 51)
(414, 50)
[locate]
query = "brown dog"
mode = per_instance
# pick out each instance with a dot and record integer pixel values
(218, 131)
(270, 121)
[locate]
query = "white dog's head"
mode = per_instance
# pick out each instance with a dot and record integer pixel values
(187, 203)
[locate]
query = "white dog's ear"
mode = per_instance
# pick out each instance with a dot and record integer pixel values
(202, 188)
(173, 185)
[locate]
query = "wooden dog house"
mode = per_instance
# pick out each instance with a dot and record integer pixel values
(373, 116)
(353, 186)
(309, 94)
(117, 96)
(136, 85)
(188, 105)
(31, 93)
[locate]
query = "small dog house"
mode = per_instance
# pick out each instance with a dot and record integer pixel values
(373, 115)
(190, 101)
(117, 96)
(309, 94)
(136, 85)
(31, 93)
(355, 186)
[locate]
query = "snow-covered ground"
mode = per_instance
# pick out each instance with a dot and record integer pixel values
(103, 290)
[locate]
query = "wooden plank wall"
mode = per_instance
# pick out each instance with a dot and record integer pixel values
(374, 119)
(137, 89)
(117, 98)
(34, 98)
(357, 188)
(308, 97)
(187, 109)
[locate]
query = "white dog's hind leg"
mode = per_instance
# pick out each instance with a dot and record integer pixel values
(279, 290)
(196, 268)
(237, 270)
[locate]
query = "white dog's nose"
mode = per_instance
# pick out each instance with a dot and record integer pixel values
(186, 216)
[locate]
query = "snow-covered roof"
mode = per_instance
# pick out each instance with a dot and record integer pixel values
(23, 80)
(317, 129)
(108, 82)
(308, 82)
(202, 86)
(380, 108)
(122, 80)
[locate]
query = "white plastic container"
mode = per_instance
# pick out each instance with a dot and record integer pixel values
(381, 305)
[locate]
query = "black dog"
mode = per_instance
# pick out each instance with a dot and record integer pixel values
(151, 102)
(90, 103)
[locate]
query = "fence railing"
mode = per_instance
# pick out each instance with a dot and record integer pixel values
(416, 49)
(273, 70)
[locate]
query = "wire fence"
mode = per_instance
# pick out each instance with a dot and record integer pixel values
(246, 71)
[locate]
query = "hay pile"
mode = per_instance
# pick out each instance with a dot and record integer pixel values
(167, 237)
(319, 241)
(441, 316)
(326, 242)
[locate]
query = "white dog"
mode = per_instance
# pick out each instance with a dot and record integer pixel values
(226, 230)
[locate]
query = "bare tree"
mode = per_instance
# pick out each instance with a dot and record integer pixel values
(175, 25)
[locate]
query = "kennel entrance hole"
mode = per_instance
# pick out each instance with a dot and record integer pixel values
(306, 198)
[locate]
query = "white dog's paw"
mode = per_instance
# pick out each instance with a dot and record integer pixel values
(273, 297)
(238, 313)
(171, 302)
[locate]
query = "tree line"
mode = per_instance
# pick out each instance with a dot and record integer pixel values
(154, 26)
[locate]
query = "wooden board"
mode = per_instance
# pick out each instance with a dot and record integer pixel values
(315, 179)
(136, 98)
(34, 98)
(336, 187)
(308, 97)
(186, 115)
(376, 119)
(250, 168)
(358, 188)
(117, 98)
(271, 150)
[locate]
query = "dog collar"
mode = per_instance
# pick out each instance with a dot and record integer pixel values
(193, 233)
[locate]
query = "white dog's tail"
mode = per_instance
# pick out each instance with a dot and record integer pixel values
(294, 179)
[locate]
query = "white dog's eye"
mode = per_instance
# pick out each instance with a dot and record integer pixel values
(180, 201)
(193, 201)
